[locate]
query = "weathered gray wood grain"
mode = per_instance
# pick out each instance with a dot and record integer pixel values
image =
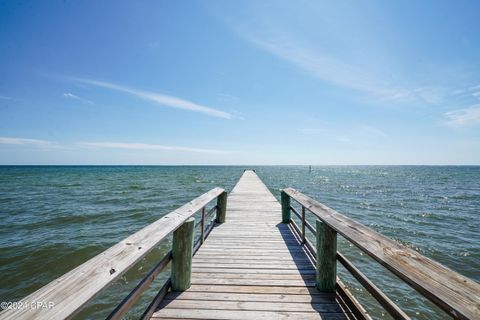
(182, 252)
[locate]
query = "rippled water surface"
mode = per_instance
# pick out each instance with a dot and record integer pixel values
(54, 218)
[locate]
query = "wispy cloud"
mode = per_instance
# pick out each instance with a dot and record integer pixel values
(159, 98)
(463, 117)
(72, 96)
(332, 70)
(472, 91)
(146, 146)
(315, 62)
(475, 91)
(105, 145)
(24, 141)
(324, 63)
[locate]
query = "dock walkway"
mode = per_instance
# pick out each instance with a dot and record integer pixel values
(252, 267)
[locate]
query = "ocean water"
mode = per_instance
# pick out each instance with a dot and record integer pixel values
(56, 217)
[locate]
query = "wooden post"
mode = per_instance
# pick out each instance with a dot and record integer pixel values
(202, 235)
(285, 207)
(326, 257)
(182, 255)
(303, 224)
(221, 207)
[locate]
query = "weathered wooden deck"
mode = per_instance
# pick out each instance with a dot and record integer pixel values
(252, 267)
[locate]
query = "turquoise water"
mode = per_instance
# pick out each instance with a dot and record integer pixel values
(54, 218)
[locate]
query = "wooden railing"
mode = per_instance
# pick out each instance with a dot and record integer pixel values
(457, 295)
(71, 292)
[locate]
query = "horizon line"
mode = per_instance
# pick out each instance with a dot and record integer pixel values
(240, 165)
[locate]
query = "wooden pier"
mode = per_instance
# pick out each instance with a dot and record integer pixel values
(253, 260)
(252, 267)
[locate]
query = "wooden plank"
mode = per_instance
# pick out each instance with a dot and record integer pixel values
(290, 240)
(252, 247)
(70, 292)
(214, 314)
(283, 249)
(251, 305)
(219, 234)
(233, 260)
(271, 255)
(253, 297)
(250, 256)
(297, 252)
(262, 243)
(457, 295)
(253, 266)
(255, 289)
(256, 282)
(248, 245)
(254, 271)
(240, 260)
(237, 275)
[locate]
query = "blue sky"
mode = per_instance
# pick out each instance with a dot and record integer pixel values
(240, 82)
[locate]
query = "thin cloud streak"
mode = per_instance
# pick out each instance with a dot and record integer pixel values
(318, 64)
(162, 99)
(468, 92)
(23, 141)
(146, 146)
(337, 72)
(330, 69)
(463, 117)
(72, 96)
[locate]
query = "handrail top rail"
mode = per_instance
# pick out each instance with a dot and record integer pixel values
(71, 291)
(456, 294)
